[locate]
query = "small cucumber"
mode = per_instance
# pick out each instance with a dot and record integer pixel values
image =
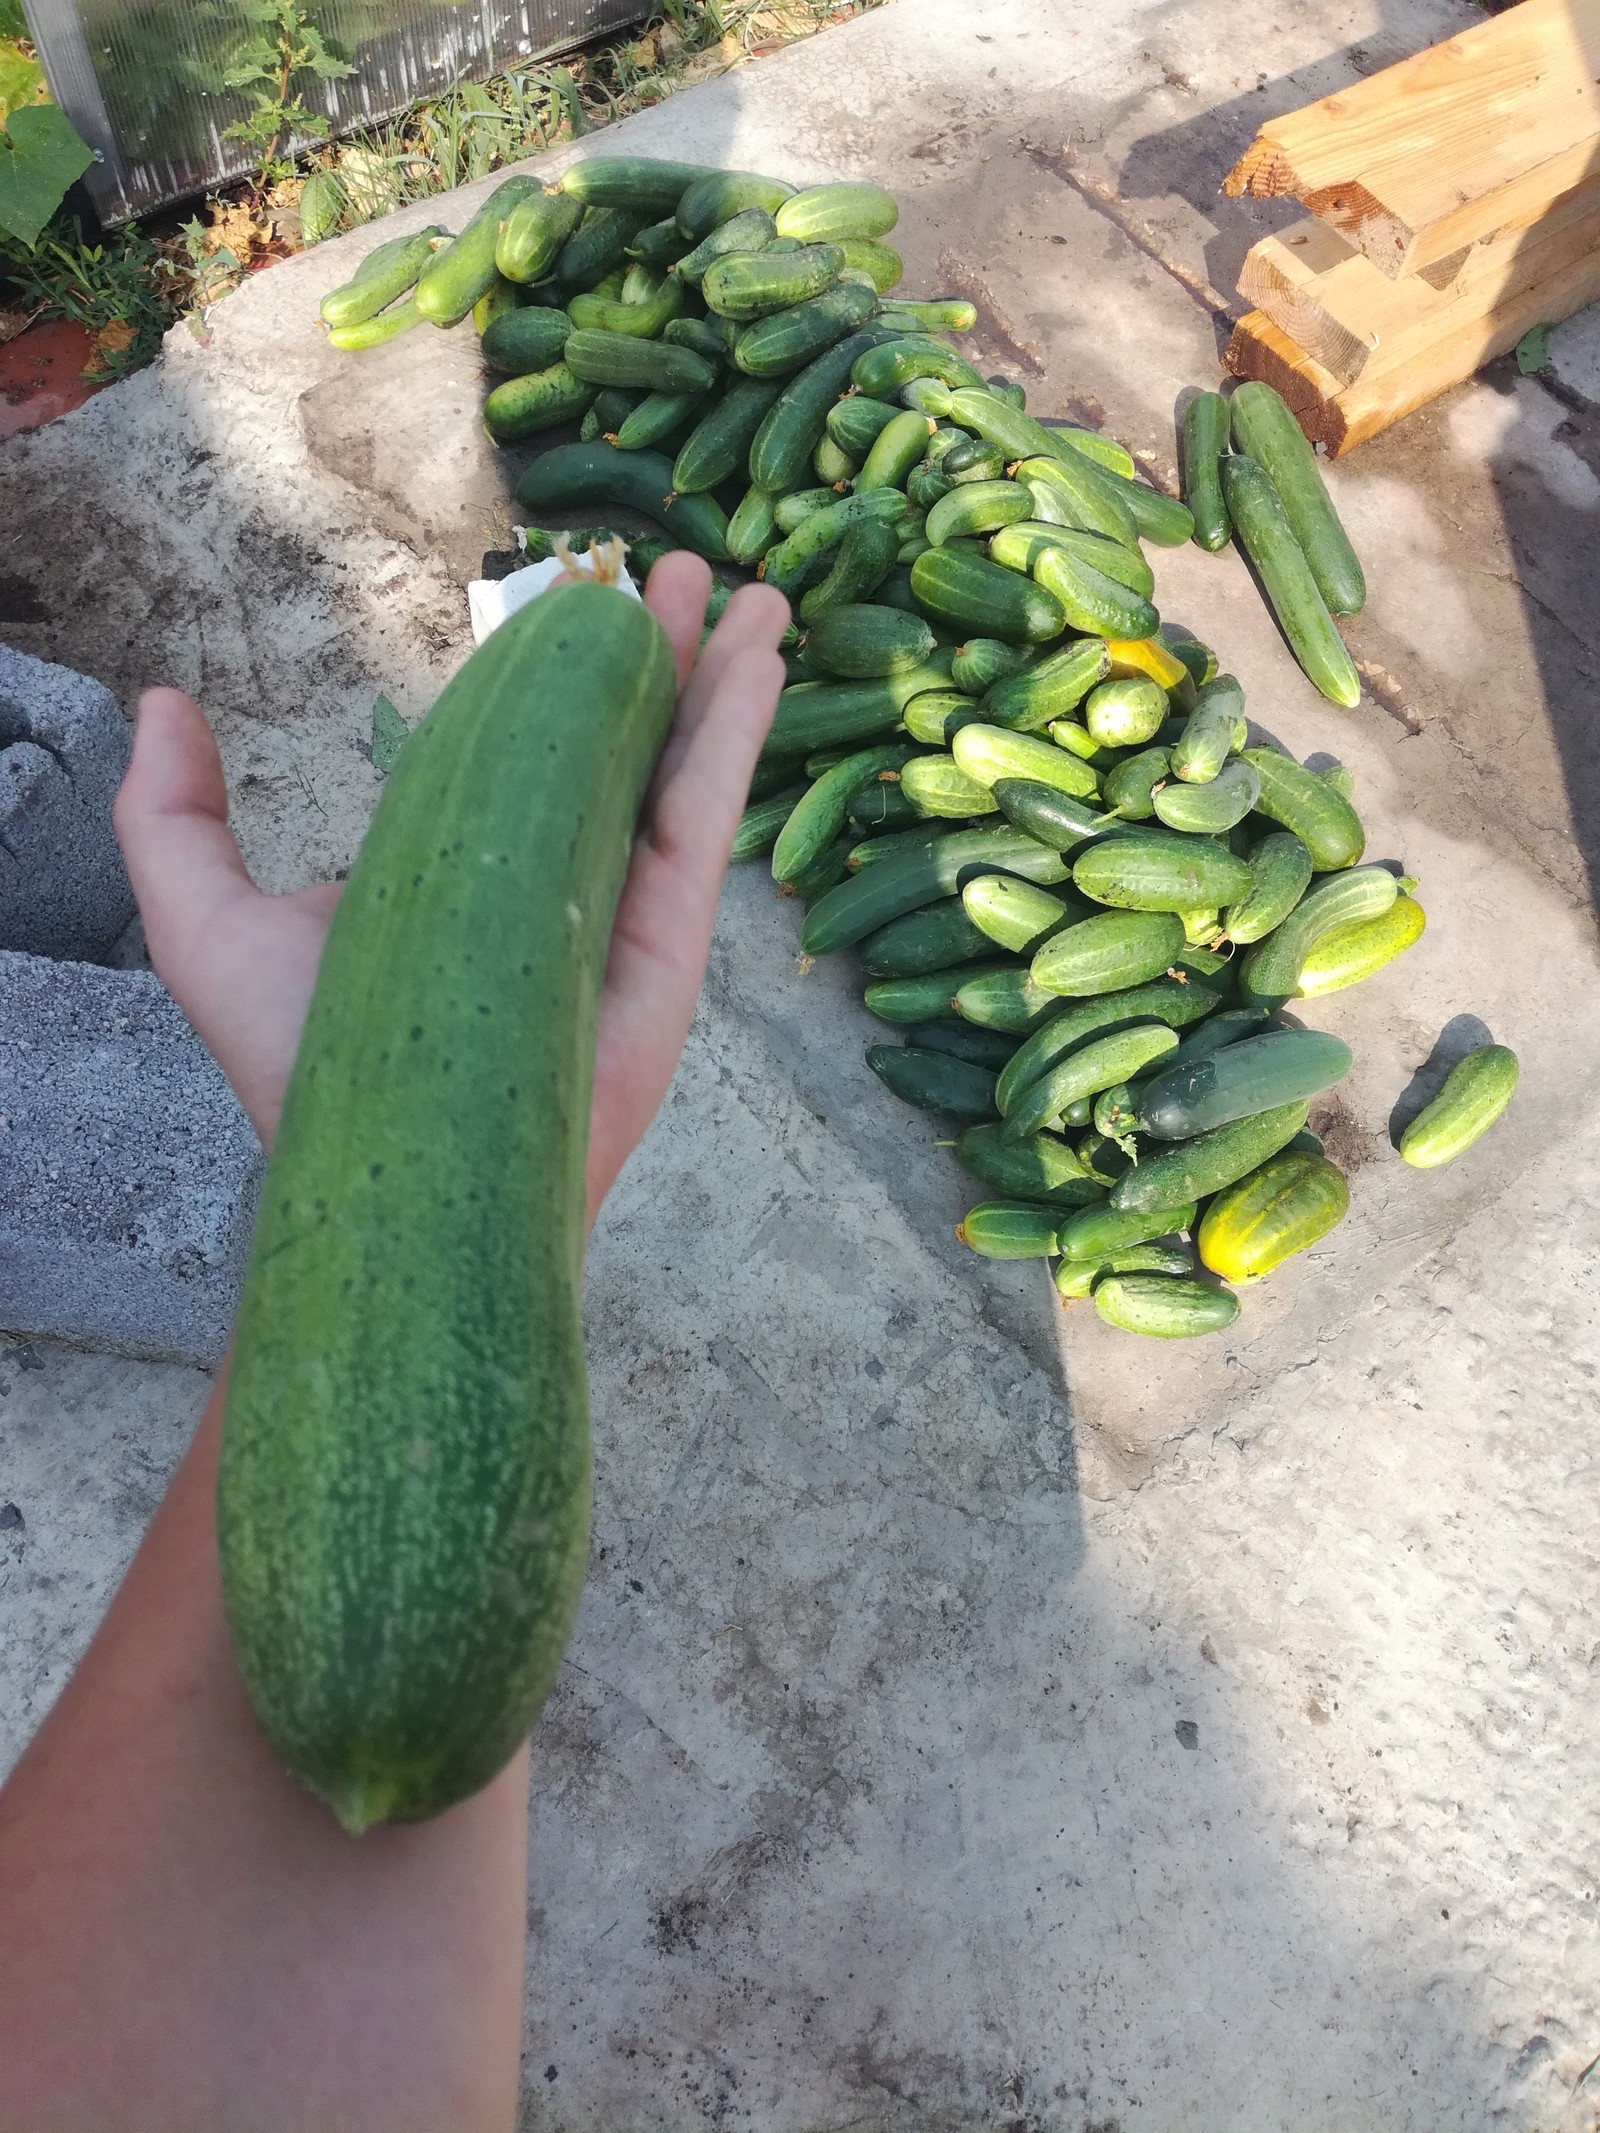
(523, 406)
(1020, 546)
(825, 213)
(983, 661)
(641, 317)
(1189, 1170)
(597, 247)
(1048, 689)
(1099, 1231)
(1005, 999)
(457, 275)
(525, 340)
(935, 717)
(1164, 1308)
(575, 476)
(796, 420)
(1130, 785)
(977, 507)
(1263, 426)
(1152, 870)
(1077, 494)
(1350, 953)
(826, 714)
(881, 805)
(1282, 870)
(967, 592)
(1017, 915)
(862, 561)
(645, 184)
(941, 314)
(1210, 732)
(1158, 517)
(660, 418)
(1009, 1229)
(1076, 1278)
(1210, 810)
(1111, 953)
(603, 358)
(532, 235)
(1125, 713)
(1268, 539)
(720, 443)
(934, 938)
(859, 642)
(1205, 439)
(761, 821)
(387, 272)
(1049, 815)
(990, 753)
(933, 1081)
(856, 422)
(1078, 741)
(982, 1047)
(782, 341)
(1317, 812)
(1103, 1158)
(1229, 1026)
(818, 816)
(1163, 1000)
(1289, 1203)
(881, 263)
(1091, 601)
(936, 785)
(752, 231)
(820, 530)
(661, 245)
(1476, 1091)
(753, 528)
(988, 413)
(974, 459)
(795, 508)
(825, 872)
(1041, 1168)
(1270, 971)
(897, 844)
(895, 364)
(919, 874)
(1257, 1074)
(373, 332)
(718, 195)
(926, 998)
(749, 285)
(1102, 1063)
(896, 449)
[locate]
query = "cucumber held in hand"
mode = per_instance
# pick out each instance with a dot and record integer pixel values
(403, 1490)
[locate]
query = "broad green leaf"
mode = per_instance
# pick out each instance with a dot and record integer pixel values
(41, 155)
(1533, 350)
(21, 81)
(389, 731)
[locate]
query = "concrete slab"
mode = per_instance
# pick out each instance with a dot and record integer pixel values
(975, 1720)
(128, 1171)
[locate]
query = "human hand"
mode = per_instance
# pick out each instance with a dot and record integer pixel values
(242, 964)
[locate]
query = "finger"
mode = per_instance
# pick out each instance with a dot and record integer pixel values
(171, 818)
(676, 593)
(754, 619)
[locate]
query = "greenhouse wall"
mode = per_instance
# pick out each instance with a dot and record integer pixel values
(143, 80)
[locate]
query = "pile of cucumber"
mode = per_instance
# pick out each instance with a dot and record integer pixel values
(1081, 893)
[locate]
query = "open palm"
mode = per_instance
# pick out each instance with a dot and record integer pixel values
(242, 964)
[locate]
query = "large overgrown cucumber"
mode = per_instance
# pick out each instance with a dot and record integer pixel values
(532, 235)
(644, 184)
(1280, 1209)
(1268, 539)
(783, 446)
(1259, 1073)
(454, 278)
(1476, 1091)
(1189, 1170)
(387, 272)
(403, 1493)
(1263, 426)
(575, 476)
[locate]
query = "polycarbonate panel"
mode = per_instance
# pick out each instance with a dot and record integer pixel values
(142, 80)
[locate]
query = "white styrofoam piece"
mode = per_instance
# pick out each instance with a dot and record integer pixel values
(491, 600)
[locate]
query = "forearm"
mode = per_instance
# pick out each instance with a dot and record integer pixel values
(188, 1939)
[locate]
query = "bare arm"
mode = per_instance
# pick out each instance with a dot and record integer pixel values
(187, 1939)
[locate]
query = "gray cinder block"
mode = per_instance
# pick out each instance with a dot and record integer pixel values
(128, 1171)
(64, 746)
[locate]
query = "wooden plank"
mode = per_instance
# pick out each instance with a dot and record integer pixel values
(1333, 301)
(1468, 140)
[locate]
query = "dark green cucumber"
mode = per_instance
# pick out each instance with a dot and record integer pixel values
(1316, 811)
(751, 231)
(651, 366)
(783, 446)
(1212, 809)
(523, 406)
(1205, 439)
(856, 422)
(1260, 1073)
(1476, 1091)
(1130, 785)
(1099, 1231)
(989, 753)
(1268, 539)
(1163, 1308)
(980, 1047)
(1017, 915)
(1049, 688)
(933, 1081)
(783, 341)
(525, 340)
(574, 476)
(881, 805)
(1005, 999)
(927, 997)
(1091, 601)
(1162, 1000)
(1101, 1063)
(861, 562)
(815, 715)
(530, 239)
(402, 1497)
(788, 566)
(1075, 492)
(887, 369)
(1347, 954)
(987, 414)
(1041, 1168)
(1125, 713)
(825, 213)
(1009, 1229)
(1152, 870)
(895, 451)
(1270, 971)
(660, 418)
(917, 875)
(1280, 1209)
(1282, 870)
(455, 277)
(859, 642)
(660, 245)
(597, 246)
(933, 938)
(1159, 518)
(1189, 1170)
(874, 850)
(501, 297)
(1265, 429)
(761, 821)
(718, 195)
(1048, 815)
(1020, 545)
(387, 272)
(968, 593)
(610, 411)
(983, 662)
(1228, 1026)
(748, 285)
(373, 332)
(1110, 953)
(643, 184)
(825, 872)
(703, 335)
(720, 445)
(818, 816)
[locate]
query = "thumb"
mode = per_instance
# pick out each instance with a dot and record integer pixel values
(171, 819)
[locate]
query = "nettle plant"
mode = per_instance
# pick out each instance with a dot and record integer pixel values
(285, 55)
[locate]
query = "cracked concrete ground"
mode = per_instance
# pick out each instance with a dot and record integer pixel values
(976, 1719)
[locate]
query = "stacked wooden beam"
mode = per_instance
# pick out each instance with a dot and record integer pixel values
(1454, 204)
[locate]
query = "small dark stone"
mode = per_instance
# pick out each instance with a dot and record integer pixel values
(27, 1357)
(1188, 1733)
(12, 1521)
(549, 2073)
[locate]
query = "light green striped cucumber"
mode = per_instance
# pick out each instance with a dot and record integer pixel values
(1097, 1232)
(1049, 688)
(935, 717)
(1281, 867)
(1212, 809)
(987, 414)
(1318, 813)
(989, 753)
(387, 272)
(1163, 1308)
(1270, 971)
(1163, 1000)
(1476, 1091)
(920, 873)
(747, 285)
(1091, 601)
(880, 263)
(983, 661)
(1101, 1063)
(1017, 915)
(531, 236)
(895, 450)
(1125, 713)
(1076, 494)
(780, 342)
(1110, 953)
(1153, 870)
(373, 332)
(940, 314)
(403, 1488)
(977, 507)
(1130, 785)
(456, 276)
(1004, 999)
(753, 528)
(936, 785)
(523, 406)
(1076, 1278)
(856, 422)
(1213, 729)
(641, 317)
(897, 363)
(751, 231)
(718, 195)
(826, 213)
(1019, 547)
(1009, 1229)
